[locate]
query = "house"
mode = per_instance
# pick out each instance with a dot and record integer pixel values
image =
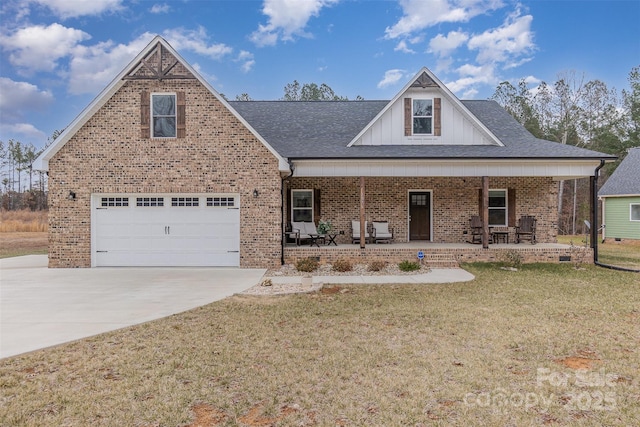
(161, 170)
(620, 197)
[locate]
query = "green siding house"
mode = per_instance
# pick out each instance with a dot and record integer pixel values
(620, 197)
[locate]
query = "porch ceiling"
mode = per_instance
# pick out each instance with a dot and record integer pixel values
(558, 169)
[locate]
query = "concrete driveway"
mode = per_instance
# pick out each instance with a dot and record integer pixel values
(42, 307)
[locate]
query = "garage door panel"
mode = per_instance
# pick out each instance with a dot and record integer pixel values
(166, 235)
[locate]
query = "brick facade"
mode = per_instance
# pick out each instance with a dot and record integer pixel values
(453, 201)
(217, 155)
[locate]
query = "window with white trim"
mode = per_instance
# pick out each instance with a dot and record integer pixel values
(150, 201)
(302, 205)
(163, 114)
(422, 116)
(221, 201)
(185, 201)
(498, 215)
(634, 212)
(114, 202)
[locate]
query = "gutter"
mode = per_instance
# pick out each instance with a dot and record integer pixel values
(595, 227)
(282, 236)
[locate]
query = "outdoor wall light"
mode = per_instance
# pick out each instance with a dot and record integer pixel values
(71, 196)
(255, 192)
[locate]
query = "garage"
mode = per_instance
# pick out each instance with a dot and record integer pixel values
(165, 230)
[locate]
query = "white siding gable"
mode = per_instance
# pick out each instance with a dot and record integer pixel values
(458, 128)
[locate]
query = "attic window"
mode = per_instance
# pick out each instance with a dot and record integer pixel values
(422, 116)
(163, 112)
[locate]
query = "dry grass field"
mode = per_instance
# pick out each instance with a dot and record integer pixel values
(545, 345)
(23, 233)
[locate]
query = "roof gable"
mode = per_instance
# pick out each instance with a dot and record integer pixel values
(452, 122)
(625, 180)
(157, 61)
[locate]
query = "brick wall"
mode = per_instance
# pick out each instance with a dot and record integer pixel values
(218, 155)
(454, 200)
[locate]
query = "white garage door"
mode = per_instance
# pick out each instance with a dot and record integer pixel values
(166, 230)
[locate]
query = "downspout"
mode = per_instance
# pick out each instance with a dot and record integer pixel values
(595, 227)
(282, 225)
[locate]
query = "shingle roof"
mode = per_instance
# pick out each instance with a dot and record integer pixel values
(626, 178)
(323, 129)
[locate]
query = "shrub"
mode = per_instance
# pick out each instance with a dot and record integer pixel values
(511, 258)
(307, 265)
(377, 265)
(408, 266)
(342, 265)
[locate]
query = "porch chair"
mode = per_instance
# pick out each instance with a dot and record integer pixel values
(526, 229)
(381, 232)
(355, 232)
(475, 224)
(303, 230)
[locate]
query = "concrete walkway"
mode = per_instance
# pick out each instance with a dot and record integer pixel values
(436, 275)
(41, 307)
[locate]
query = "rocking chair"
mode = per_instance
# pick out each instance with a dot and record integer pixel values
(526, 229)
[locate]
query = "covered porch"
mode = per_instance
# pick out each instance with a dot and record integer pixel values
(435, 254)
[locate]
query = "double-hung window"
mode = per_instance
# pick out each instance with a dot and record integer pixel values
(498, 208)
(634, 212)
(163, 112)
(422, 116)
(302, 205)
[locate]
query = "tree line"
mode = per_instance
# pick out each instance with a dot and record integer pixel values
(22, 186)
(586, 114)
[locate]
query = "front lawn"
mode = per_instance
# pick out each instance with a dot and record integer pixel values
(503, 349)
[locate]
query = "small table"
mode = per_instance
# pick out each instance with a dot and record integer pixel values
(500, 236)
(313, 239)
(332, 238)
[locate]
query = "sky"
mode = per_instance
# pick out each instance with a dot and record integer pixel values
(57, 55)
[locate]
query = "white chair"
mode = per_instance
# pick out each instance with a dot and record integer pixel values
(355, 231)
(303, 230)
(382, 232)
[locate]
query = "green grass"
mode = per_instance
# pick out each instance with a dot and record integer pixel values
(389, 355)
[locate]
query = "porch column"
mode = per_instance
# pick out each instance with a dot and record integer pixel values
(485, 212)
(362, 216)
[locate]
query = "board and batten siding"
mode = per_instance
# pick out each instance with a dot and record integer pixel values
(456, 128)
(617, 218)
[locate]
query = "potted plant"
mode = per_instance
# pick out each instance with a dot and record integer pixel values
(324, 227)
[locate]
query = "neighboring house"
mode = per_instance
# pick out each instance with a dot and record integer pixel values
(161, 170)
(620, 197)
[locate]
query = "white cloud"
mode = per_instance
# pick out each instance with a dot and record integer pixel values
(208, 77)
(513, 39)
(196, 41)
(402, 47)
(287, 18)
(93, 67)
(29, 131)
(421, 14)
(443, 45)
(38, 48)
(472, 76)
(160, 8)
(391, 77)
(246, 60)
(74, 8)
(18, 96)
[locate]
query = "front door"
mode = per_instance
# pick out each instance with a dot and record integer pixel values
(419, 215)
